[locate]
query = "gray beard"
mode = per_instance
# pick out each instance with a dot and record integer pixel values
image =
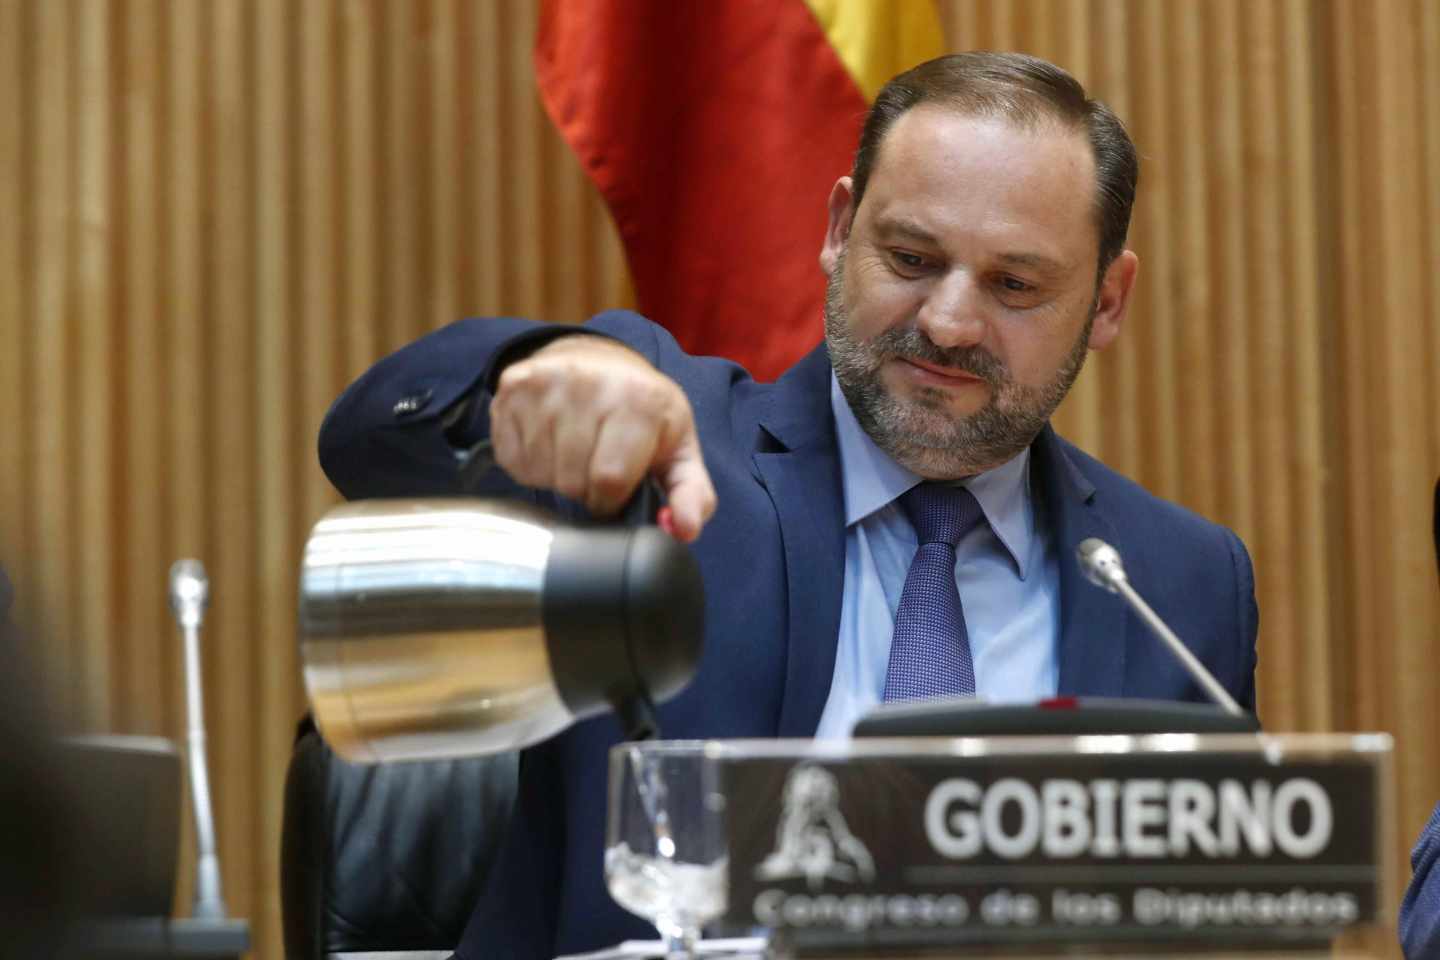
(918, 432)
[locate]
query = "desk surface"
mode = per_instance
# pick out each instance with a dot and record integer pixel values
(741, 950)
(1337, 954)
(167, 938)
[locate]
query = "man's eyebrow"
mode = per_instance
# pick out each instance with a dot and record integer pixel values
(909, 229)
(1036, 260)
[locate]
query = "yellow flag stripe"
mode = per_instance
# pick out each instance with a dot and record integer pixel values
(877, 39)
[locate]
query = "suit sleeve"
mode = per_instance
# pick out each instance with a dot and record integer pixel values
(396, 430)
(1247, 616)
(1420, 912)
(517, 916)
(7, 594)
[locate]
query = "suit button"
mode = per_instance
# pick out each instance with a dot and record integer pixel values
(412, 403)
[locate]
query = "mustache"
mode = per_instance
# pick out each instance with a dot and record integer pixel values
(910, 344)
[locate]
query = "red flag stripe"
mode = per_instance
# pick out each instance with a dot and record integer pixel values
(714, 132)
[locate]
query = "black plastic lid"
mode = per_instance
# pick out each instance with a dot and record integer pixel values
(623, 613)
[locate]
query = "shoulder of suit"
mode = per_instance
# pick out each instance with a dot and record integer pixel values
(627, 325)
(1142, 507)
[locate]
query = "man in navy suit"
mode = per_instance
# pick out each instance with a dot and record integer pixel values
(1420, 911)
(974, 256)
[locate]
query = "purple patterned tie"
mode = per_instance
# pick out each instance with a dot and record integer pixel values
(930, 651)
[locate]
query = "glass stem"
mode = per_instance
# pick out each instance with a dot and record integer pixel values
(680, 942)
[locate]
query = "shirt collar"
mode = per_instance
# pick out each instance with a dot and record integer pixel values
(872, 480)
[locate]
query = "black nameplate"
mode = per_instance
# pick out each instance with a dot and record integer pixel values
(1223, 848)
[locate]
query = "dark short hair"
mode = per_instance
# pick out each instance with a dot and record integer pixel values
(1027, 91)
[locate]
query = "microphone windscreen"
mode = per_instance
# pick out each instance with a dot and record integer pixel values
(189, 587)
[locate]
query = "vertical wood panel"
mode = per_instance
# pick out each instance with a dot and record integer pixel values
(1415, 659)
(279, 449)
(360, 305)
(1153, 326)
(566, 215)
(1263, 334)
(185, 246)
(1428, 82)
(1230, 198)
(399, 204)
(1313, 535)
(319, 329)
(94, 345)
(13, 275)
(221, 212)
(1406, 467)
(142, 588)
(961, 24)
(48, 538)
(1062, 37)
(1344, 228)
(1191, 282)
(186, 367)
(229, 284)
(1120, 365)
(480, 74)
(445, 171)
(523, 258)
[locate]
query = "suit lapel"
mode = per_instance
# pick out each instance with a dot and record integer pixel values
(801, 472)
(1092, 621)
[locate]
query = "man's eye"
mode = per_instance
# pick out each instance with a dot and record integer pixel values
(1015, 284)
(907, 260)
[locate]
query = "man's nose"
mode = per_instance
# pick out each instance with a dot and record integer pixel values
(953, 314)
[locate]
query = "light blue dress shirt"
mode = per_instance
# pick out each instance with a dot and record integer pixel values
(1007, 572)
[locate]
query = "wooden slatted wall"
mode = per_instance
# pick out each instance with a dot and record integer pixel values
(214, 214)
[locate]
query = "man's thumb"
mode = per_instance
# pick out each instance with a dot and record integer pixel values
(689, 491)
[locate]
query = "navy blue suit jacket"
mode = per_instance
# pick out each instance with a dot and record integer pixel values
(773, 564)
(1420, 912)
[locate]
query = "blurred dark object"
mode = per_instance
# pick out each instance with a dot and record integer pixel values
(389, 856)
(42, 858)
(1058, 716)
(126, 817)
(92, 834)
(157, 938)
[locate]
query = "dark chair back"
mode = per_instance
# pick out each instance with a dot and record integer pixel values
(386, 857)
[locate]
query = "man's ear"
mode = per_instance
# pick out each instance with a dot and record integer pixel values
(837, 229)
(1114, 299)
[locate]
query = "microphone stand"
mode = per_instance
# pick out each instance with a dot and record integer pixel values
(207, 934)
(189, 595)
(1101, 564)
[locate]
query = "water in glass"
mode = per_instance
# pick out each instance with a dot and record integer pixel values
(665, 845)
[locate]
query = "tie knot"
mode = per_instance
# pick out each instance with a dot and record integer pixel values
(941, 513)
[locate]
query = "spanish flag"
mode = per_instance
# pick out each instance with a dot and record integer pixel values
(714, 131)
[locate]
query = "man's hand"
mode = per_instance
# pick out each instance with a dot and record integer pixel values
(588, 418)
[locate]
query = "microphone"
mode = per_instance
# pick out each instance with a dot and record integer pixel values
(1101, 565)
(189, 592)
(189, 595)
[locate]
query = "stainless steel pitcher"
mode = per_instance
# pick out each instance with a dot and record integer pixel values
(454, 627)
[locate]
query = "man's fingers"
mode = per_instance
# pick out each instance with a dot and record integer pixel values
(508, 436)
(690, 492)
(589, 419)
(576, 434)
(624, 450)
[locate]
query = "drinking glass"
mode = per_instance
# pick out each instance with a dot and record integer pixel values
(665, 848)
